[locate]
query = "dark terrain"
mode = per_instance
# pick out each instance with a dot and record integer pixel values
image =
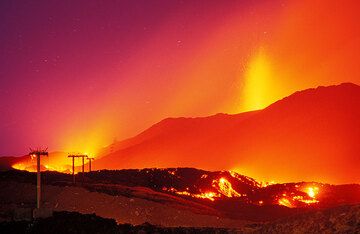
(168, 198)
(344, 219)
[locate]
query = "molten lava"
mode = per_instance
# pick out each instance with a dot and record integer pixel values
(291, 195)
(224, 187)
(285, 202)
(312, 191)
(210, 195)
(308, 198)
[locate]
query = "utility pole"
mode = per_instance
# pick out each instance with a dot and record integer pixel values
(38, 153)
(73, 156)
(73, 166)
(83, 165)
(90, 159)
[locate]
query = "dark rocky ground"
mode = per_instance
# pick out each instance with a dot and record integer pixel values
(73, 222)
(344, 219)
(130, 196)
(154, 184)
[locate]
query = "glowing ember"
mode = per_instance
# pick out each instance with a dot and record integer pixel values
(210, 195)
(265, 184)
(307, 201)
(183, 193)
(233, 174)
(285, 202)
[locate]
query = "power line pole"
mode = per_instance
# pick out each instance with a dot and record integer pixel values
(37, 153)
(83, 165)
(90, 159)
(73, 166)
(73, 156)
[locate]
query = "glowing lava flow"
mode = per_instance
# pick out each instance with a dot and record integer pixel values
(210, 195)
(291, 201)
(225, 188)
(292, 195)
(285, 202)
(312, 191)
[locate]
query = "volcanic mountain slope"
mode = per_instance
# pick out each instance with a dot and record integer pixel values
(311, 135)
(227, 191)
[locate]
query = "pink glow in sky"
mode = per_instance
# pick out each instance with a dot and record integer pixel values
(76, 75)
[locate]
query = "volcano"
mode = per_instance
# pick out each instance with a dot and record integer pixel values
(311, 135)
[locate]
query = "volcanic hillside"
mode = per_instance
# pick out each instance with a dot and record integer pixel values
(154, 192)
(311, 135)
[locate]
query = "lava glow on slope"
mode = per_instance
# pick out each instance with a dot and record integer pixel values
(300, 195)
(303, 194)
(57, 161)
(32, 167)
(23, 167)
(223, 188)
(220, 188)
(292, 200)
